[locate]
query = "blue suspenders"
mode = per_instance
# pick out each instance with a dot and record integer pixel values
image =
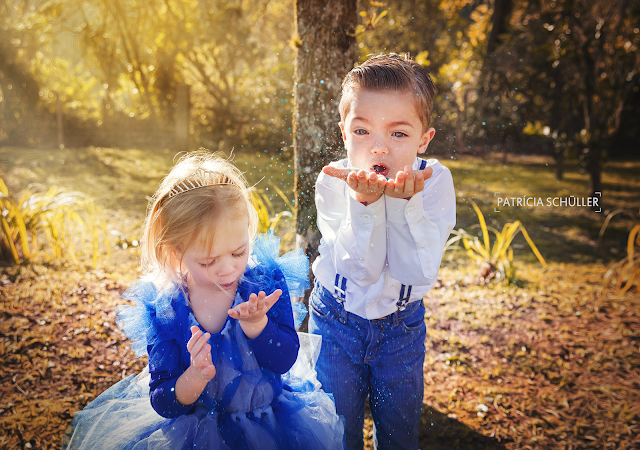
(340, 288)
(402, 300)
(340, 292)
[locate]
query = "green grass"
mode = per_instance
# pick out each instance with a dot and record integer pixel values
(563, 234)
(121, 181)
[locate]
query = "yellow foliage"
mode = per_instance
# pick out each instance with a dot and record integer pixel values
(625, 274)
(500, 254)
(268, 218)
(56, 217)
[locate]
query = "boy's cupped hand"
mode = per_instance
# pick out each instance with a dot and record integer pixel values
(200, 351)
(368, 187)
(407, 182)
(371, 185)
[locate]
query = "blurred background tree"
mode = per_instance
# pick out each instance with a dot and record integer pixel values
(556, 77)
(117, 68)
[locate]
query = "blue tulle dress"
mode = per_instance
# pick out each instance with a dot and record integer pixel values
(245, 406)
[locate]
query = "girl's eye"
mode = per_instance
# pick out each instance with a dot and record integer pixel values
(360, 132)
(207, 264)
(399, 134)
(238, 255)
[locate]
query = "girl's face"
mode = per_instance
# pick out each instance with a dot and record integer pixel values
(220, 268)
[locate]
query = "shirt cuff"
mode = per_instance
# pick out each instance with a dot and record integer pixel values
(403, 211)
(335, 184)
(367, 217)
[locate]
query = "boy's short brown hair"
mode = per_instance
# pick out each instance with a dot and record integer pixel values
(392, 72)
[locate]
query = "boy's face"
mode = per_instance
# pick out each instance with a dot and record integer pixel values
(382, 131)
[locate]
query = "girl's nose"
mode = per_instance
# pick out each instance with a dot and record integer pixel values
(225, 267)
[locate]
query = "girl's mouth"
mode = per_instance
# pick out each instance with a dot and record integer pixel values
(380, 169)
(227, 286)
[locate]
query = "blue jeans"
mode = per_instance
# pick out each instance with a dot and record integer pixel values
(382, 359)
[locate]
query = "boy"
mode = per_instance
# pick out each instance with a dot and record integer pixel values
(384, 215)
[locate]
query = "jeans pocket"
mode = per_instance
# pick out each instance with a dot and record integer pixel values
(319, 308)
(413, 326)
(414, 321)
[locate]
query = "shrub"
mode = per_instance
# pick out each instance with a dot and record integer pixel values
(53, 220)
(495, 261)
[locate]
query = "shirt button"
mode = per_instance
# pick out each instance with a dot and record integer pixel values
(366, 218)
(410, 210)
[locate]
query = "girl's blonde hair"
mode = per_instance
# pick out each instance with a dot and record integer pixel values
(176, 222)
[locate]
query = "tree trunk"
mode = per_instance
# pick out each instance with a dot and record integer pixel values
(59, 122)
(558, 155)
(500, 19)
(594, 160)
(182, 117)
(324, 55)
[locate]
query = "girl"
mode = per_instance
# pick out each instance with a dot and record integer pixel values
(215, 317)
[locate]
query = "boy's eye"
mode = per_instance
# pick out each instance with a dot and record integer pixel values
(399, 134)
(207, 264)
(360, 131)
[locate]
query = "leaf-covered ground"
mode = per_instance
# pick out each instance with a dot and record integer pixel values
(552, 363)
(59, 347)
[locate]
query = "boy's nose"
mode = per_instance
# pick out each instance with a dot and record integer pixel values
(379, 147)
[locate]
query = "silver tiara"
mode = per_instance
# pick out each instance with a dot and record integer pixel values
(200, 178)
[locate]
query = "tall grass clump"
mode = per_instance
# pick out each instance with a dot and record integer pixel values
(52, 224)
(271, 220)
(625, 274)
(496, 261)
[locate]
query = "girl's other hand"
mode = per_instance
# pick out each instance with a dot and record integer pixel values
(252, 314)
(200, 350)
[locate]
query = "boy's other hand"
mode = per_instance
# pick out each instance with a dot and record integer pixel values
(368, 187)
(407, 183)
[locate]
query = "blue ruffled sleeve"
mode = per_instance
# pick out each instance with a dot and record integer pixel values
(158, 324)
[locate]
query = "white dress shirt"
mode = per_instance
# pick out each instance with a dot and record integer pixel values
(372, 256)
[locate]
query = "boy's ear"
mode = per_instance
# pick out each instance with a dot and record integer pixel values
(425, 139)
(344, 135)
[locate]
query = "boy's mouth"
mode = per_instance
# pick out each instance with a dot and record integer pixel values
(380, 169)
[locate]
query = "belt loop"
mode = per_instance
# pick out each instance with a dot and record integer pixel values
(343, 316)
(396, 319)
